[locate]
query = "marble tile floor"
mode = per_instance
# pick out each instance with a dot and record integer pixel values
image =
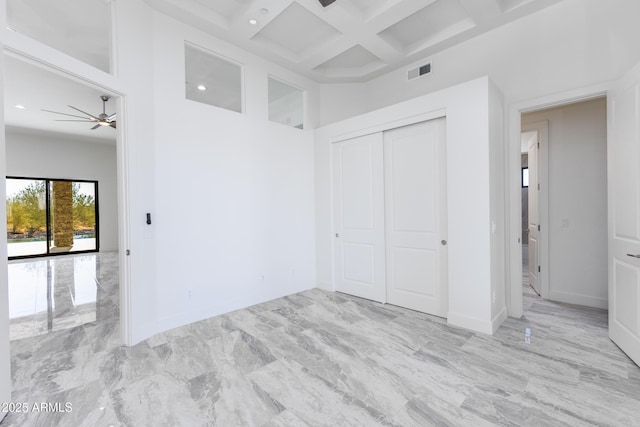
(325, 359)
(62, 292)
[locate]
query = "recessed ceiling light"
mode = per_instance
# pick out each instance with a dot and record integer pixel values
(253, 21)
(21, 107)
(202, 87)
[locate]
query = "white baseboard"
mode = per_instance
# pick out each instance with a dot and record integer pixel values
(498, 319)
(578, 299)
(484, 326)
(325, 286)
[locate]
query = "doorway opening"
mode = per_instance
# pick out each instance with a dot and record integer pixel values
(563, 210)
(81, 162)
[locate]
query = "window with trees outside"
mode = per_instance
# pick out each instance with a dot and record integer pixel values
(51, 216)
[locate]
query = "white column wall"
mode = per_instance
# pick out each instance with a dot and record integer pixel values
(235, 203)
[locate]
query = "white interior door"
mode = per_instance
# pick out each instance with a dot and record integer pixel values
(533, 149)
(624, 215)
(359, 217)
(415, 216)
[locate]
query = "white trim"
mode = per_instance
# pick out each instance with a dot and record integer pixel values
(430, 115)
(498, 319)
(122, 183)
(326, 286)
(542, 127)
(472, 323)
(514, 218)
(579, 299)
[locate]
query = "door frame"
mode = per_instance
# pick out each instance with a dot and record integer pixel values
(542, 128)
(122, 176)
(513, 197)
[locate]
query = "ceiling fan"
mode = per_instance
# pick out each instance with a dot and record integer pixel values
(102, 119)
(326, 3)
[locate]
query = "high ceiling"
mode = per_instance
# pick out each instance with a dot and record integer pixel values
(36, 89)
(350, 40)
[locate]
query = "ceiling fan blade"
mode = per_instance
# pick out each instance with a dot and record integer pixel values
(96, 126)
(111, 117)
(84, 112)
(326, 3)
(65, 114)
(113, 124)
(83, 121)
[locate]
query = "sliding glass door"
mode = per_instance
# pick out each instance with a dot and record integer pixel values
(46, 216)
(26, 217)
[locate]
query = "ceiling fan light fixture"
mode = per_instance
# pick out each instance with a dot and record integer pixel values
(102, 119)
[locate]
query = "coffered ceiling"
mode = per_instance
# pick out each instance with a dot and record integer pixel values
(350, 40)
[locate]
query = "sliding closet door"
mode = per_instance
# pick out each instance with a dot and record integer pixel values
(415, 216)
(358, 184)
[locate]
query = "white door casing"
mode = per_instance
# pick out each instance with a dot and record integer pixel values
(415, 217)
(359, 217)
(533, 226)
(624, 214)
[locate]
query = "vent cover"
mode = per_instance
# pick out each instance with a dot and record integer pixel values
(419, 71)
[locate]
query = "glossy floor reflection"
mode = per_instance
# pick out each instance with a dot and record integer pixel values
(325, 359)
(57, 293)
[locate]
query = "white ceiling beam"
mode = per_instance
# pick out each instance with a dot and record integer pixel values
(482, 11)
(325, 52)
(341, 17)
(240, 26)
(384, 17)
(188, 10)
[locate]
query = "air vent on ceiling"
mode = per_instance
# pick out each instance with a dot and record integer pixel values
(419, 71)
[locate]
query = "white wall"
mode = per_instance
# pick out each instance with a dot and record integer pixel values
(469, 187)
(577, 151)
(340, 101)
(5, 354)
(42, 155)
(235, 192)
(134, 70)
